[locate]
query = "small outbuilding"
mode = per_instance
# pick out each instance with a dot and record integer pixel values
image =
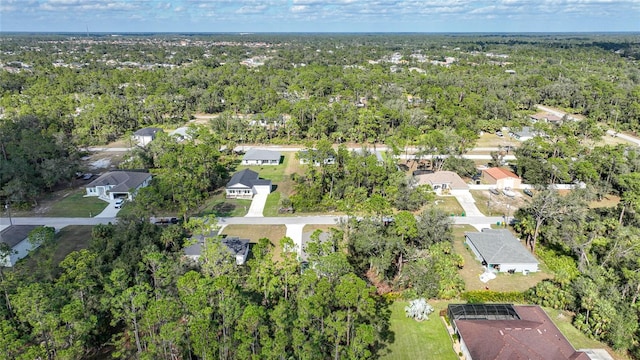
(501, 177)
(261, 157)
(245, 184)
(16, 239)
(144, 136)
(500, 251)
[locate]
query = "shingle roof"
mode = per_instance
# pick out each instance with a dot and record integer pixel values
(257, 154)
(149, 131)
(497, 246)
(500, 173)
(533, 336)
(124, 181)
(245, 177)
(454, 180)
(14, 234)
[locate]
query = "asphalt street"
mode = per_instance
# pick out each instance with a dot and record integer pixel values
(59, 223)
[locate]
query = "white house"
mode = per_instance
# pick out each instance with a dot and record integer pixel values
(239, 248)
(118, 184)
(144, 136)
(500, 251)
(16, 237)
(246, 183)
(261, 157)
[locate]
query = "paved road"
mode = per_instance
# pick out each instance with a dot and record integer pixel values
(626, 137)
(285, 220)
(382, 148)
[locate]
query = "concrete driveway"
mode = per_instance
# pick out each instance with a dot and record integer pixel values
(110, 211)
(257, 205)
(468, 204)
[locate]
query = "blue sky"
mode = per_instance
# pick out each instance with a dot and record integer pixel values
(320, 16)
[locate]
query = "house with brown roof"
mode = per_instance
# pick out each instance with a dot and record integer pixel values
(443, 182)
(546, 117)
(118, 184)
(509, 332)
(501, 177)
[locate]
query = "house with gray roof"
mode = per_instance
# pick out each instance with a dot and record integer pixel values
(261, 157)
(500, 251)
(524, 134)
(144, 136)
(118, 184)
(239, 248)
(245, 184)
(16, 239)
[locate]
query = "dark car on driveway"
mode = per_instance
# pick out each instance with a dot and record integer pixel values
(494, 191)
(528, 192)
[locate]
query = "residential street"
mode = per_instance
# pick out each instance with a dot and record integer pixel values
(59, 223)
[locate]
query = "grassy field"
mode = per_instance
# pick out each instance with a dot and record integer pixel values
(272, 204)
(256, 232)
(607, 201)
(497, 205)
(413, 340)
(492, 140)
(274, 173)
(68, 239)
(449, 204)
(219, 205)
(76, 205)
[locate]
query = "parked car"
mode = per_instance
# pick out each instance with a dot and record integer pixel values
(87, 176)
(528, 192)
(508, 192)
(499, 133)
(494, 191)
(119, 203)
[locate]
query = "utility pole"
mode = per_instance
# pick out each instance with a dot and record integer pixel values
(8, 208)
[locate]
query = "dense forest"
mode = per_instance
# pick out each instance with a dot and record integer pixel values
(131, 294)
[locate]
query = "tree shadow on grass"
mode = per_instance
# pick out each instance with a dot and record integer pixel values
(387, 336)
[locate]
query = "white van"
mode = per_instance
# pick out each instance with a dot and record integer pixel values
(119, 203)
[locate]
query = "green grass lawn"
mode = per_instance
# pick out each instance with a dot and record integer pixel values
(76, 205)
(413, 340)
(68, 239)
(220, 206)
(274, 173)
(449, 204)
(272, 204)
